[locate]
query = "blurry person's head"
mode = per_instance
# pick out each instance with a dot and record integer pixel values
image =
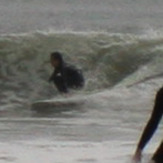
(56, 59)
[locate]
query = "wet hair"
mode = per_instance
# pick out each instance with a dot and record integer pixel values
(56, 55)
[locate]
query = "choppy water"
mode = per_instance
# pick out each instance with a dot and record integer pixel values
(119, 46)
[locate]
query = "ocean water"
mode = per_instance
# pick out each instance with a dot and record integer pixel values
(119, 46)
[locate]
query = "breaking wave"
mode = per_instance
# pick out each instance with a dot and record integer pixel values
(107, 60)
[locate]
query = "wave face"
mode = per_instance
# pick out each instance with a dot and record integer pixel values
(106, 59)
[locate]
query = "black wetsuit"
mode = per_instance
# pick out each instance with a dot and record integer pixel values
(152, 126)
(66, 76)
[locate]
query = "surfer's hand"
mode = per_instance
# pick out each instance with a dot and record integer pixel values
(138, 155)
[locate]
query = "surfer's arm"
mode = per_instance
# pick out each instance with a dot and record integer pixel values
(63, 86)
(59, 81)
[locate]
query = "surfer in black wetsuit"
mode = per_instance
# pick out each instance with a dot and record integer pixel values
(150, 129)
(64, 75)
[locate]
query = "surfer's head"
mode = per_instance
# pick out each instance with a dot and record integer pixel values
(56, 59)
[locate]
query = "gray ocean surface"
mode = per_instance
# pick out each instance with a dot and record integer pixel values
(127, 16)
(119, 46)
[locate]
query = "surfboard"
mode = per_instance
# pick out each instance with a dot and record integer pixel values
(58, 104)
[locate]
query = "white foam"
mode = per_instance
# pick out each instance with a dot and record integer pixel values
(42, 151)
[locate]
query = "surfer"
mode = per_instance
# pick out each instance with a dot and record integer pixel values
(150, 129)
(65, 76)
